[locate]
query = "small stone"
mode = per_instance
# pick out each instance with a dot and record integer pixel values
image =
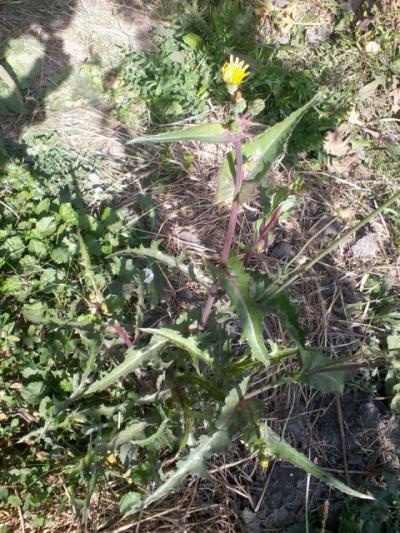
(318, 34)
(367, 247)
(282, 251)
(281, 517)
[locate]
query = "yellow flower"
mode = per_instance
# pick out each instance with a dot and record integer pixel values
(234, 72)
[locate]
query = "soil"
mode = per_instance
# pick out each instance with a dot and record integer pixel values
(372, 442)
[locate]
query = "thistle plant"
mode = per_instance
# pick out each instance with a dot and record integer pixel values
(251, 295)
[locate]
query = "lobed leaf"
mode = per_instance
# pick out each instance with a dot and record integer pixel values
(186, 343)
(321, 372)
(134, 359)
(173, 262)
(284, 451)
(258, 156)
(236, 282)
(219, 441)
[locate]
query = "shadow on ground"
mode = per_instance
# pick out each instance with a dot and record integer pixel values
(39, 63)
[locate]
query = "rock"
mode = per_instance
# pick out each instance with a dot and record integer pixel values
(251, 520)
(318, 34)
(370, 415)
(367, 247)
(281, 517)
(282, 250)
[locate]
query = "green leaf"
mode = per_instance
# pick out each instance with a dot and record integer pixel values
(60, 255)
(186, 343)
(133, 432)
(321, 372)
(236, 282)
(134, 359)
(68, 214)
(35, 313)
(284, 451)
(10, 93)
(37, 247)
(24, 55)
(14, 247)
(173, 262)
(12, 285)
(258, 156)
(129, 502)
(193, 40)
(208, 133)
(219, 441)
(32, 392)
(46, 226)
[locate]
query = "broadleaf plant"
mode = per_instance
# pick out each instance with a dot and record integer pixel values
(243, 170)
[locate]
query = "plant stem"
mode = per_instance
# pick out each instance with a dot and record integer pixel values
(261, 236)
(230, 233)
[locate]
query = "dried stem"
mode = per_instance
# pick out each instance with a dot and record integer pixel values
(230, 233)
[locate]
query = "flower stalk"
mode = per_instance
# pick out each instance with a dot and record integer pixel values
(230, 233)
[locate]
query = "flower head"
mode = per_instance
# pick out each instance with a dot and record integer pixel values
(234, 72)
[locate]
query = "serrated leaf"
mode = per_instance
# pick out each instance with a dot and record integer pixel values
(133, 359)
(133, 432)
(37, 247)
(129, 502)
(321, 372)
(219, 441)
(14, 247)
(258, 156)
(279, 304)
(186, 343)
(60, 255)
(236, 282)
(173, 262)
(208, 133)
(284, 451)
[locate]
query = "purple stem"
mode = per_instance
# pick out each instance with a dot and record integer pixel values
(230, 233)
(261, 236)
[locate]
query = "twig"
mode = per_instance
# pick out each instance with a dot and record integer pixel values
(307, 510)
(137, 530)
(342, 438)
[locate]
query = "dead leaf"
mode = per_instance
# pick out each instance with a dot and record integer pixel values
(369, 89)
(336, 142)
(354, 118)
(349, 166)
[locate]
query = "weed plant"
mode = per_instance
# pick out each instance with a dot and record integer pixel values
(92, 394)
